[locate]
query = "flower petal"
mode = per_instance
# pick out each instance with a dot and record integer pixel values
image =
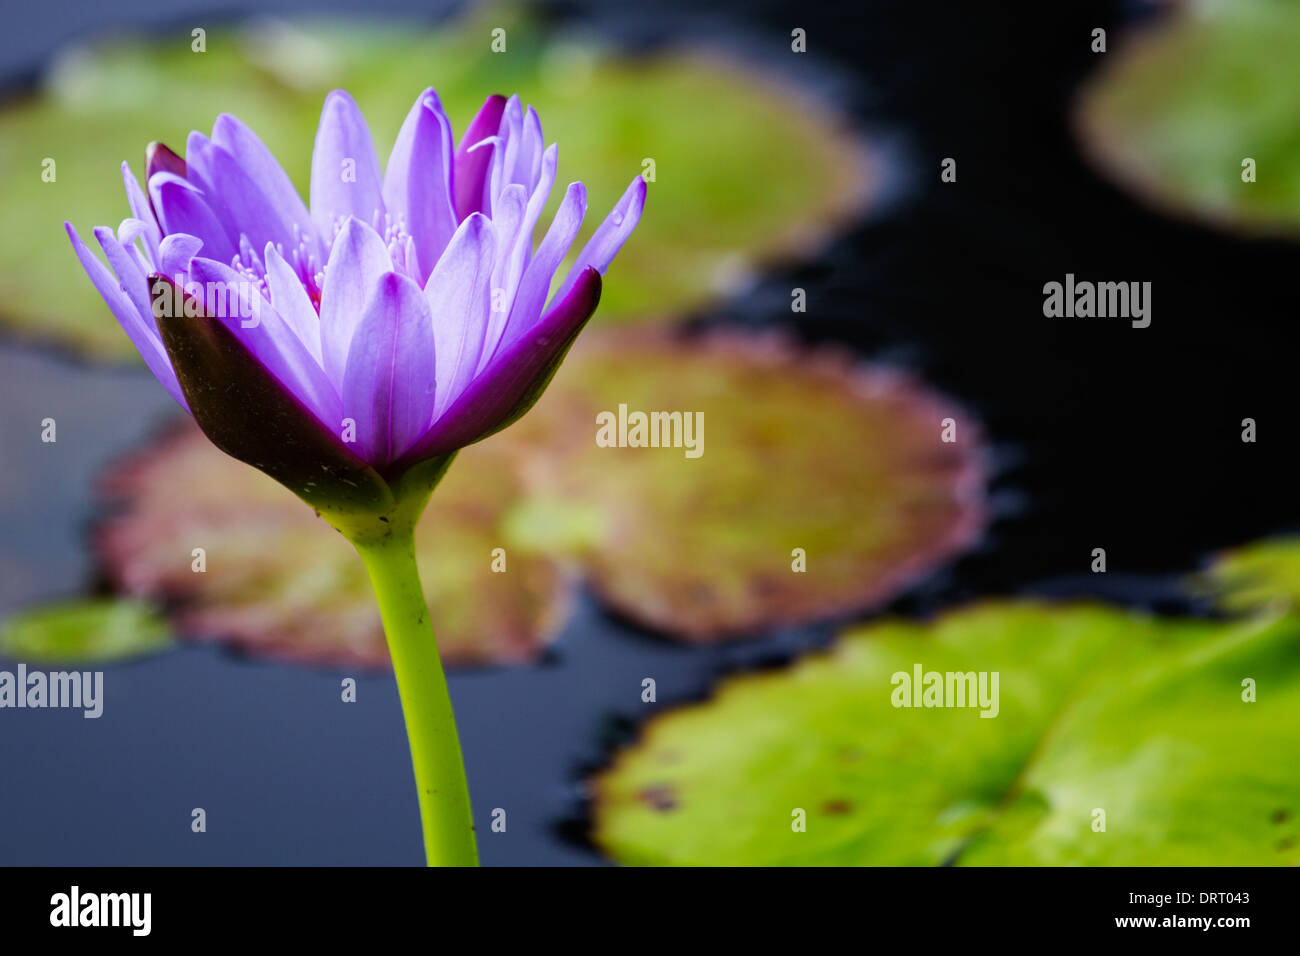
(507, 268)
(182, 208)
(417, 182)
(460, 297)
(142, 210)
(289, 298)
(536, 281)
(388, 386)
(609, 237)
(129, 276)
(230, 298)
(472, 165)
(241, 203)
(139, 328)
(159, 158)
(250, 415)
(345, 177)
(175, 253)
(357, 260)
(256, 160)
(509, 139)
(528, 160)
(513, 382)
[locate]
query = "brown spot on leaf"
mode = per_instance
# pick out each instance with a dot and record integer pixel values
(661, 797)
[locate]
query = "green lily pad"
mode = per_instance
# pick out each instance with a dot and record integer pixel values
(1173, 112)
(278, 582)
(1261, 575)
(84, 631)
(720, 135)
(801, 450)
(1099, 710)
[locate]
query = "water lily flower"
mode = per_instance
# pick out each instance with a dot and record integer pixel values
(349, 348)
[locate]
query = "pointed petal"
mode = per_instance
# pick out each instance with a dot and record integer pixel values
(256, 160)
(289, 298)
(513, 382)
(129, 276)
(139, 328)
(345, 177)
(158, 158)
(609, 237)
(251, 416)
(471, 164)
(388, 387)
(528, 161)
(242, 204)
(536, 281)
(356, 262)
(182, 208)
(460, 297)
(545, 181)
(142, 210)
(417, 182)
(510, 137)
(506, 269)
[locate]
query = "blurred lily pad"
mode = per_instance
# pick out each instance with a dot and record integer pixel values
(804, 461)
(1259, 576)
(819, 488)
(719, 134)
(278, 582)
(85, 631)
(1099, 711)
(1173, 113)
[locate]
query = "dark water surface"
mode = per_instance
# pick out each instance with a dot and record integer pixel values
(1106, 436)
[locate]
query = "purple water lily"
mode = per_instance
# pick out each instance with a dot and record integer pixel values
(404, 316)
(349, 350)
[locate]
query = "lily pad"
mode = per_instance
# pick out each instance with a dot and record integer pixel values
(719, 133)
(84, 631)
(800, 450)
(702, 548)
(1261, 575)
(278, 582)
(1172, 113)
(1098, 710)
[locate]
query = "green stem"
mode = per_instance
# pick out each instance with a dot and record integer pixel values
(430, 724)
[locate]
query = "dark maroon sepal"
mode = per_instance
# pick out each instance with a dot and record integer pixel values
(247, 413)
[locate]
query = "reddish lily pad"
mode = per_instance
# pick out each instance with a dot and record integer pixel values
(279, 582)
(801, 450)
